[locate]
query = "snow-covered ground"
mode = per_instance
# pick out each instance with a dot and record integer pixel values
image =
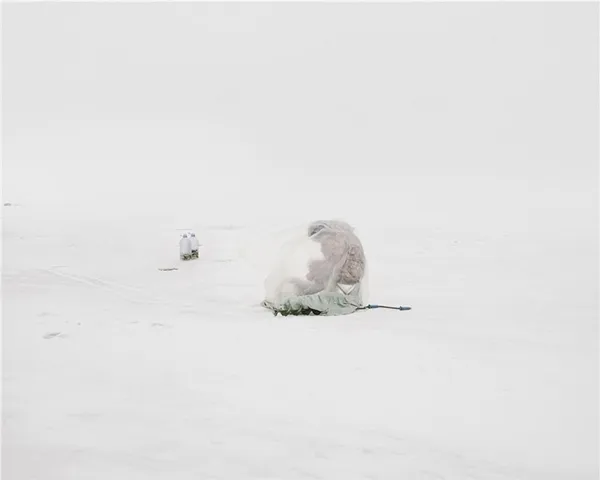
(481, 215)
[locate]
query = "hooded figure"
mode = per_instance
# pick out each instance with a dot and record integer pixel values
(333, 280)
(343, 264)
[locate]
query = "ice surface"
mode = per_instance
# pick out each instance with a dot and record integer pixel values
(469, 169)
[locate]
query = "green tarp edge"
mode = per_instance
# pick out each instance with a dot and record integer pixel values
(326, 303)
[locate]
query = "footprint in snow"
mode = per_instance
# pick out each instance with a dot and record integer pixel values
(51, 335)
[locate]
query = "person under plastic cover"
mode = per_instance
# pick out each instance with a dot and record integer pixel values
(321, 273)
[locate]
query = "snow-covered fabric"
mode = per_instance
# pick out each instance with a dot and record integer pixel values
(321, 271)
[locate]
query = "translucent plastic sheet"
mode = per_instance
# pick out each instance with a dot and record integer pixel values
(323, 266)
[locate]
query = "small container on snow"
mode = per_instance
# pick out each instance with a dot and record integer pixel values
(194, 245)
(185, 248)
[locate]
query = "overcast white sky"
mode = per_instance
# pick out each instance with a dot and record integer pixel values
(416, 103)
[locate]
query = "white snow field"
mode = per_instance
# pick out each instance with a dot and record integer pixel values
(460, 139)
